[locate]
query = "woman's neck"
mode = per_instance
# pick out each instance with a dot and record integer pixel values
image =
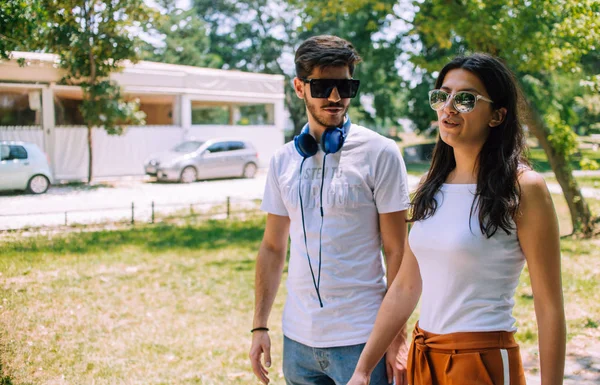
(466, 168)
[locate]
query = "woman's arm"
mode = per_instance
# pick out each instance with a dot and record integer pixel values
(397, 306)
(537, 229)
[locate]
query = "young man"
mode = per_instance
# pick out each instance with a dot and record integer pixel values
(339, 201)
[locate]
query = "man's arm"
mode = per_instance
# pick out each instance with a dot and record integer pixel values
(393, 236)
(269, 269)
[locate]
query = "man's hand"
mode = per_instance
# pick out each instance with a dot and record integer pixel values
(395, 359)
(261, 344)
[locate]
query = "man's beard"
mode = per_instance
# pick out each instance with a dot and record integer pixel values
(313, 111)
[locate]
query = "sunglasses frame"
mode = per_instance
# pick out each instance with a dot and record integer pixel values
(452, 96)
(354, 83)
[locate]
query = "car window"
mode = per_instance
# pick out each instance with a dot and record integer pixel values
(187, 147)
(4, 152)
(236, 146)
(16, 152)
(217, 147)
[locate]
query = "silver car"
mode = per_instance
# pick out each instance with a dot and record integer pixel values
(214, 158)
(23, 166)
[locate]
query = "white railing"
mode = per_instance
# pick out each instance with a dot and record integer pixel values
(20, 128)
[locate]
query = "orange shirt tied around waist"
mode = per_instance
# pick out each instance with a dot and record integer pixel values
(464, 358)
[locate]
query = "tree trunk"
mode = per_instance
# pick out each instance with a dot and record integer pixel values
(581, 217)
(90, 155)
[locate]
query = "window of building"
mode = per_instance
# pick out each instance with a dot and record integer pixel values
(210, 114)
(66, 112)
(256, 114)
(15, 108)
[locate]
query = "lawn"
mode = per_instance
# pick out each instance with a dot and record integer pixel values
(172, 304)
(540, 163)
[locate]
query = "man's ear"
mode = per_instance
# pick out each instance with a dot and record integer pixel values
(498, 117)
(299, 88)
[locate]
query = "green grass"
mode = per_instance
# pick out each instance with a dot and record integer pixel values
(173, 304)
(152, 305)
(417, 169)
(540, 163)
(582, 181)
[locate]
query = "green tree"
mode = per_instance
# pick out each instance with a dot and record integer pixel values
(543, 41)
(92, 38)
(184, 36)
(539, 40)
(262, 36)
(256, 36)
(18, 27)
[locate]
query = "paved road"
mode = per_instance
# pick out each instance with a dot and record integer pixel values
(111, 200)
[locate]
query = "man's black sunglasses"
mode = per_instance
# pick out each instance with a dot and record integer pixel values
(322, 88)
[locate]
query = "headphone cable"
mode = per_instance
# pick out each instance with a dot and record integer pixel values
(305, 241)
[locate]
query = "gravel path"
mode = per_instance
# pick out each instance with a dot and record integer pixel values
(112, 200)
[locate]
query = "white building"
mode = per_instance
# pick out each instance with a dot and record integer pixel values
(180, 102)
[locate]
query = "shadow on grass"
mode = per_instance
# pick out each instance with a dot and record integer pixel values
(582, 368)
(245, 265)
(208, 235)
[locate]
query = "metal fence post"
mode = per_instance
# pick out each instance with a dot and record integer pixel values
(66, 222)
(228, 207)
(152, 212)
(132, 213)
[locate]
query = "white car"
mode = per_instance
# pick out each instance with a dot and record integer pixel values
(23, 166)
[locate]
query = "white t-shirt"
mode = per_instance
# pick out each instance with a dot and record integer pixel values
(469, 280)
(365, 178)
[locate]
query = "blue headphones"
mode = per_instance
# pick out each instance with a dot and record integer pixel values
(332, 141)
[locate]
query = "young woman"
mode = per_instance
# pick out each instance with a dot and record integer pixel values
(479, 215)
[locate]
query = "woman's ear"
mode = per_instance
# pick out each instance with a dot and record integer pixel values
(299, 88)
(498, 117)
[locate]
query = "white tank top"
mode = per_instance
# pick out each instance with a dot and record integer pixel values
(469, 281)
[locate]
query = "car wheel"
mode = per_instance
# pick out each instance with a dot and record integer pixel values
(188, 175)
(38, 184)
(249, 170)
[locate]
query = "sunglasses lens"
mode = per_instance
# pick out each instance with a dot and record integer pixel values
(437, 99)
(464, 102)
(322, 88)
(347, 88)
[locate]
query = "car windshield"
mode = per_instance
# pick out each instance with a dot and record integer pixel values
(188, 146)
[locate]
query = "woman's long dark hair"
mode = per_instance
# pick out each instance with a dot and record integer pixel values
(497, 193)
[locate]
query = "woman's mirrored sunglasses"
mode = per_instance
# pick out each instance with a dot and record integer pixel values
(322, 88)
(463, 101)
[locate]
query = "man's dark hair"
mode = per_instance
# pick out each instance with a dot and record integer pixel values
(325, 51)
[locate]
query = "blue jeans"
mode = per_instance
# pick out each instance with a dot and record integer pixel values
(303, 365)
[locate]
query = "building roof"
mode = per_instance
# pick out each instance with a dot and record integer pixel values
(150, 77)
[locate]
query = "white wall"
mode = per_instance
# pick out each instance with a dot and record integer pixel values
(125, 155)
(113, 155)
(32, 134)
